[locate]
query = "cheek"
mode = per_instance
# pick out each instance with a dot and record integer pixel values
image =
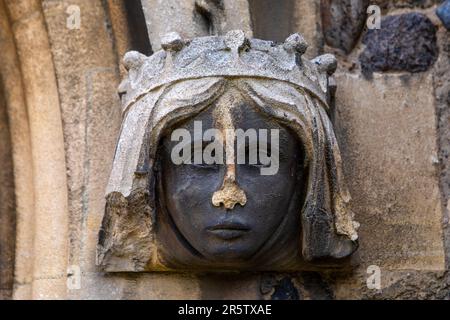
(188, 191)
(266, 188)
(269, 197)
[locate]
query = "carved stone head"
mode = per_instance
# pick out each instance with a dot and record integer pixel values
(277, 201)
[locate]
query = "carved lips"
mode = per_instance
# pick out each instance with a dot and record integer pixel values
(229, 231)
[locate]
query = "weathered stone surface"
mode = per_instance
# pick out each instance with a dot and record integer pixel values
(48, 221)
(392, 4)
(343, 22)
(387, 131)
(300, 286)
(443, 12)
(91, 114)
(405, 42)
(194, 18)
(21, 154)
(7, 205)
(442, 93)
(307, 22)
(272, 22)
(275, 23)
(394, 285)
(128, 27)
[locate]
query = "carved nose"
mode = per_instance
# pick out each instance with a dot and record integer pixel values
(229, 195)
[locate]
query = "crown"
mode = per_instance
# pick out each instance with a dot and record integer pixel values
(231, 55)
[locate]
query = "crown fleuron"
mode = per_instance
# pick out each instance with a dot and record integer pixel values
(231, 55)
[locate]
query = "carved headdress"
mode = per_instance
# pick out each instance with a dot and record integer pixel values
(182, 80)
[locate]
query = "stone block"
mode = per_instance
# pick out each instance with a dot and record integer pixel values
(405, 42)
(387, 133)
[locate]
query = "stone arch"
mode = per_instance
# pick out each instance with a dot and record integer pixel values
(32, 103)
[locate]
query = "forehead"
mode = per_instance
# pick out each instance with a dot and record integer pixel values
(239, 112)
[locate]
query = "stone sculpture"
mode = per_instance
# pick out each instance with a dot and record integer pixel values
(163, 215)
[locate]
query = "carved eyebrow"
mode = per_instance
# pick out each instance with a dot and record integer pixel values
(282, 152)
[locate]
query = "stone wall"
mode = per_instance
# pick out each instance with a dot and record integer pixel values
(59, 105)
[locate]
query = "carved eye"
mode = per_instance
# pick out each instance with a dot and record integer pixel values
(198, 157)
(253, 155)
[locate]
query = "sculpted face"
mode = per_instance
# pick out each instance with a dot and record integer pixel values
(229, 212)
